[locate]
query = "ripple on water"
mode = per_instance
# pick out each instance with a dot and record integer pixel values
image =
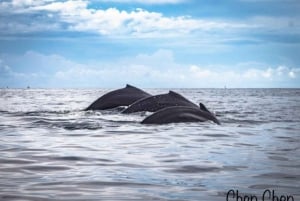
(16, 161)
(216, 135)
(192, 169)
(279, 175)
(105, 184)
(278, 158)
(273, 186)
(45, 168)
(177, 160)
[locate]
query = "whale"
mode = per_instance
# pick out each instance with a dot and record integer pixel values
(157, 102)
(120, 97)
(180, 114)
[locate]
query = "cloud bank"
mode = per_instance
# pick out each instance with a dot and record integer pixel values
(144, 70)
(28, 16)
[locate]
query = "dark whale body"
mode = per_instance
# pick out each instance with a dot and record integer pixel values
(178, 114)
(119, 97)
(155, 103)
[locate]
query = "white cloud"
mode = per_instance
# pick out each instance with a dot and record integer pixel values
(144, 70)
(66, 7)
(22, 3)
(21, 6)
(17, 27)
(294, 72)
(137, 23)
(10, 77)
(77, 16)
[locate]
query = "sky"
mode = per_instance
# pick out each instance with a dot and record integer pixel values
(150, 43)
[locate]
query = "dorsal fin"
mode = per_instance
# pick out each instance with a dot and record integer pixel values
(172, 93)
(129, 86)
(202, 107)
(177, 95)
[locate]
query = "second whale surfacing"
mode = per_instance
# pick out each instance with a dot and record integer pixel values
(180, 114)
(119, 97)
(155, 103)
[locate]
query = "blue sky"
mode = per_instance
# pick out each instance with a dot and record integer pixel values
(150, 43)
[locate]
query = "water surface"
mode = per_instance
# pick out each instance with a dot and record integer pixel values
(50, 149)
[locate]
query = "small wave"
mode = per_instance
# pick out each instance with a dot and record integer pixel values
(228, 112)
(187, 169)
(217, 135)
(279, 175)
(65, 124)
(78, 158)
(81, 126)
(16, 161)
(245, 144)
(243, 121)
(45, 168)
(272, 186)
(278, 158)
(111, 183)
(42, 112)
(234, 167)
(69, 158)
(173, 160)
(125, 132)
(24, 197)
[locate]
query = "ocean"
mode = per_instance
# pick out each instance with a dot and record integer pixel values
(50, 149)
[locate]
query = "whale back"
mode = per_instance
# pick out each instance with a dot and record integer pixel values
(177, 114)
(119, 97)
(157, 102)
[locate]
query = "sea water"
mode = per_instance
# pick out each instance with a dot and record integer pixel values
(50, 149)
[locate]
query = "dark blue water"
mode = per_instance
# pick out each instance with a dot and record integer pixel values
(52, 150)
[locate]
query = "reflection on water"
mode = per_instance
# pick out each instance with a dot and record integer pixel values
(52, 150)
